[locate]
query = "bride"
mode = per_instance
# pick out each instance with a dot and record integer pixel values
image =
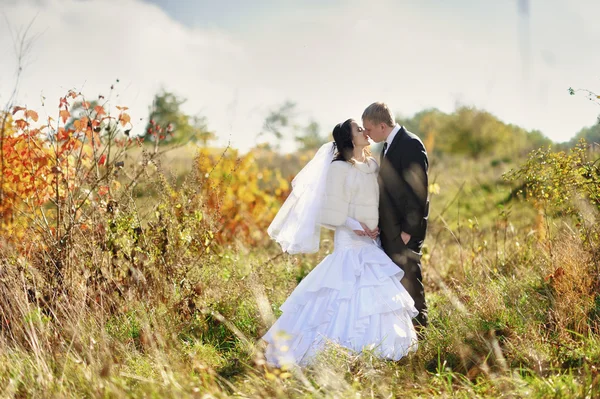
(353, 297)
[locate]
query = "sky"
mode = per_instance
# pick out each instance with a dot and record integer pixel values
(234, 61)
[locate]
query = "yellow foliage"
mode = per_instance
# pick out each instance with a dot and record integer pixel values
(245, 196)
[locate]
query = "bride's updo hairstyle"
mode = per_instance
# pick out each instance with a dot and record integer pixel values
(342, 136)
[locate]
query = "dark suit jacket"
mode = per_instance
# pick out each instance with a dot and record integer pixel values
(403, 186)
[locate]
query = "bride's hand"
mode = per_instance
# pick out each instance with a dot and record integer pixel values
(368, 232)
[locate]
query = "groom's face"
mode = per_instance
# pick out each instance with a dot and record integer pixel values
(374, 131)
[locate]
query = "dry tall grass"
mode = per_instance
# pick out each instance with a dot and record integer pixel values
(145, 310)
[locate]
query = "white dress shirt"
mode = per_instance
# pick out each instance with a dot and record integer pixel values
(391, 136)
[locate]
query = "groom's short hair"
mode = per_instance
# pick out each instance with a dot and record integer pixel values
(379, 113)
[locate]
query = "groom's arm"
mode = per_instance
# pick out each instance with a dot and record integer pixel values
(393, 221)
(414, 166)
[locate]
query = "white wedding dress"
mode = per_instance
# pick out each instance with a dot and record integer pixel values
(353, 297)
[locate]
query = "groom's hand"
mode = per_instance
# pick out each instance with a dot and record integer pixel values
(374, 233)
(405, 237)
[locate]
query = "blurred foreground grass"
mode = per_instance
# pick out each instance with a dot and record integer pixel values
(508, 290)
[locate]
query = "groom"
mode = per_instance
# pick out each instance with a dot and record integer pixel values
(403, 199)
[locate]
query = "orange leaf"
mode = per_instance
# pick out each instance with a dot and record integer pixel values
(64, 114)
(86, 105)
(99, 110)
(124, 118)
(32, 114)
(122, 108)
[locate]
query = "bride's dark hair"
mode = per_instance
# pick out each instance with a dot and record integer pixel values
(342, 136)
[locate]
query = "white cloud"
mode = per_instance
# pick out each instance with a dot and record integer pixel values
(88, 45)
(332, 60)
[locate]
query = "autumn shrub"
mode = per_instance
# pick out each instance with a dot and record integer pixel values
(75, 236)
(70, 225)
(245, 195)
(565, 188)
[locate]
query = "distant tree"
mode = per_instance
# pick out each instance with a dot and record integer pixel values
(472, 132)
(537, 139)
(281, 124)
(413, 124)
(591, 134)
(178, 127)
(310, 137)
(278, 122)
(200, 133)
(427, 125)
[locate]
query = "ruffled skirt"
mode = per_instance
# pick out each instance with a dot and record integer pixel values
(353, 298)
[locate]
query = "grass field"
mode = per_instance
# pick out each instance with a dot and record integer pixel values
(511, 292)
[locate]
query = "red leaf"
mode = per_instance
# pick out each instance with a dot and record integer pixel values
(17, 109)
(21, 123)
(103, 190)
(102, 159)
(62, 134)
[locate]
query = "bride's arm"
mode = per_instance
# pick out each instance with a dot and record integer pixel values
(334, 211)
(353, 224)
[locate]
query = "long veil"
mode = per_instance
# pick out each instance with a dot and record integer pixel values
(296, 226)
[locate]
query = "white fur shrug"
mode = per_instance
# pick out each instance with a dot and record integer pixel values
(352, 191)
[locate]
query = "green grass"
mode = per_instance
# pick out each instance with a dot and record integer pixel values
(500, 326)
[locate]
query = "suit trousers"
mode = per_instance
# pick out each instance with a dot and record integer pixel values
(408, 258)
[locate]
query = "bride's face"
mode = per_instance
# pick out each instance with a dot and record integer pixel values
(359, 136)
